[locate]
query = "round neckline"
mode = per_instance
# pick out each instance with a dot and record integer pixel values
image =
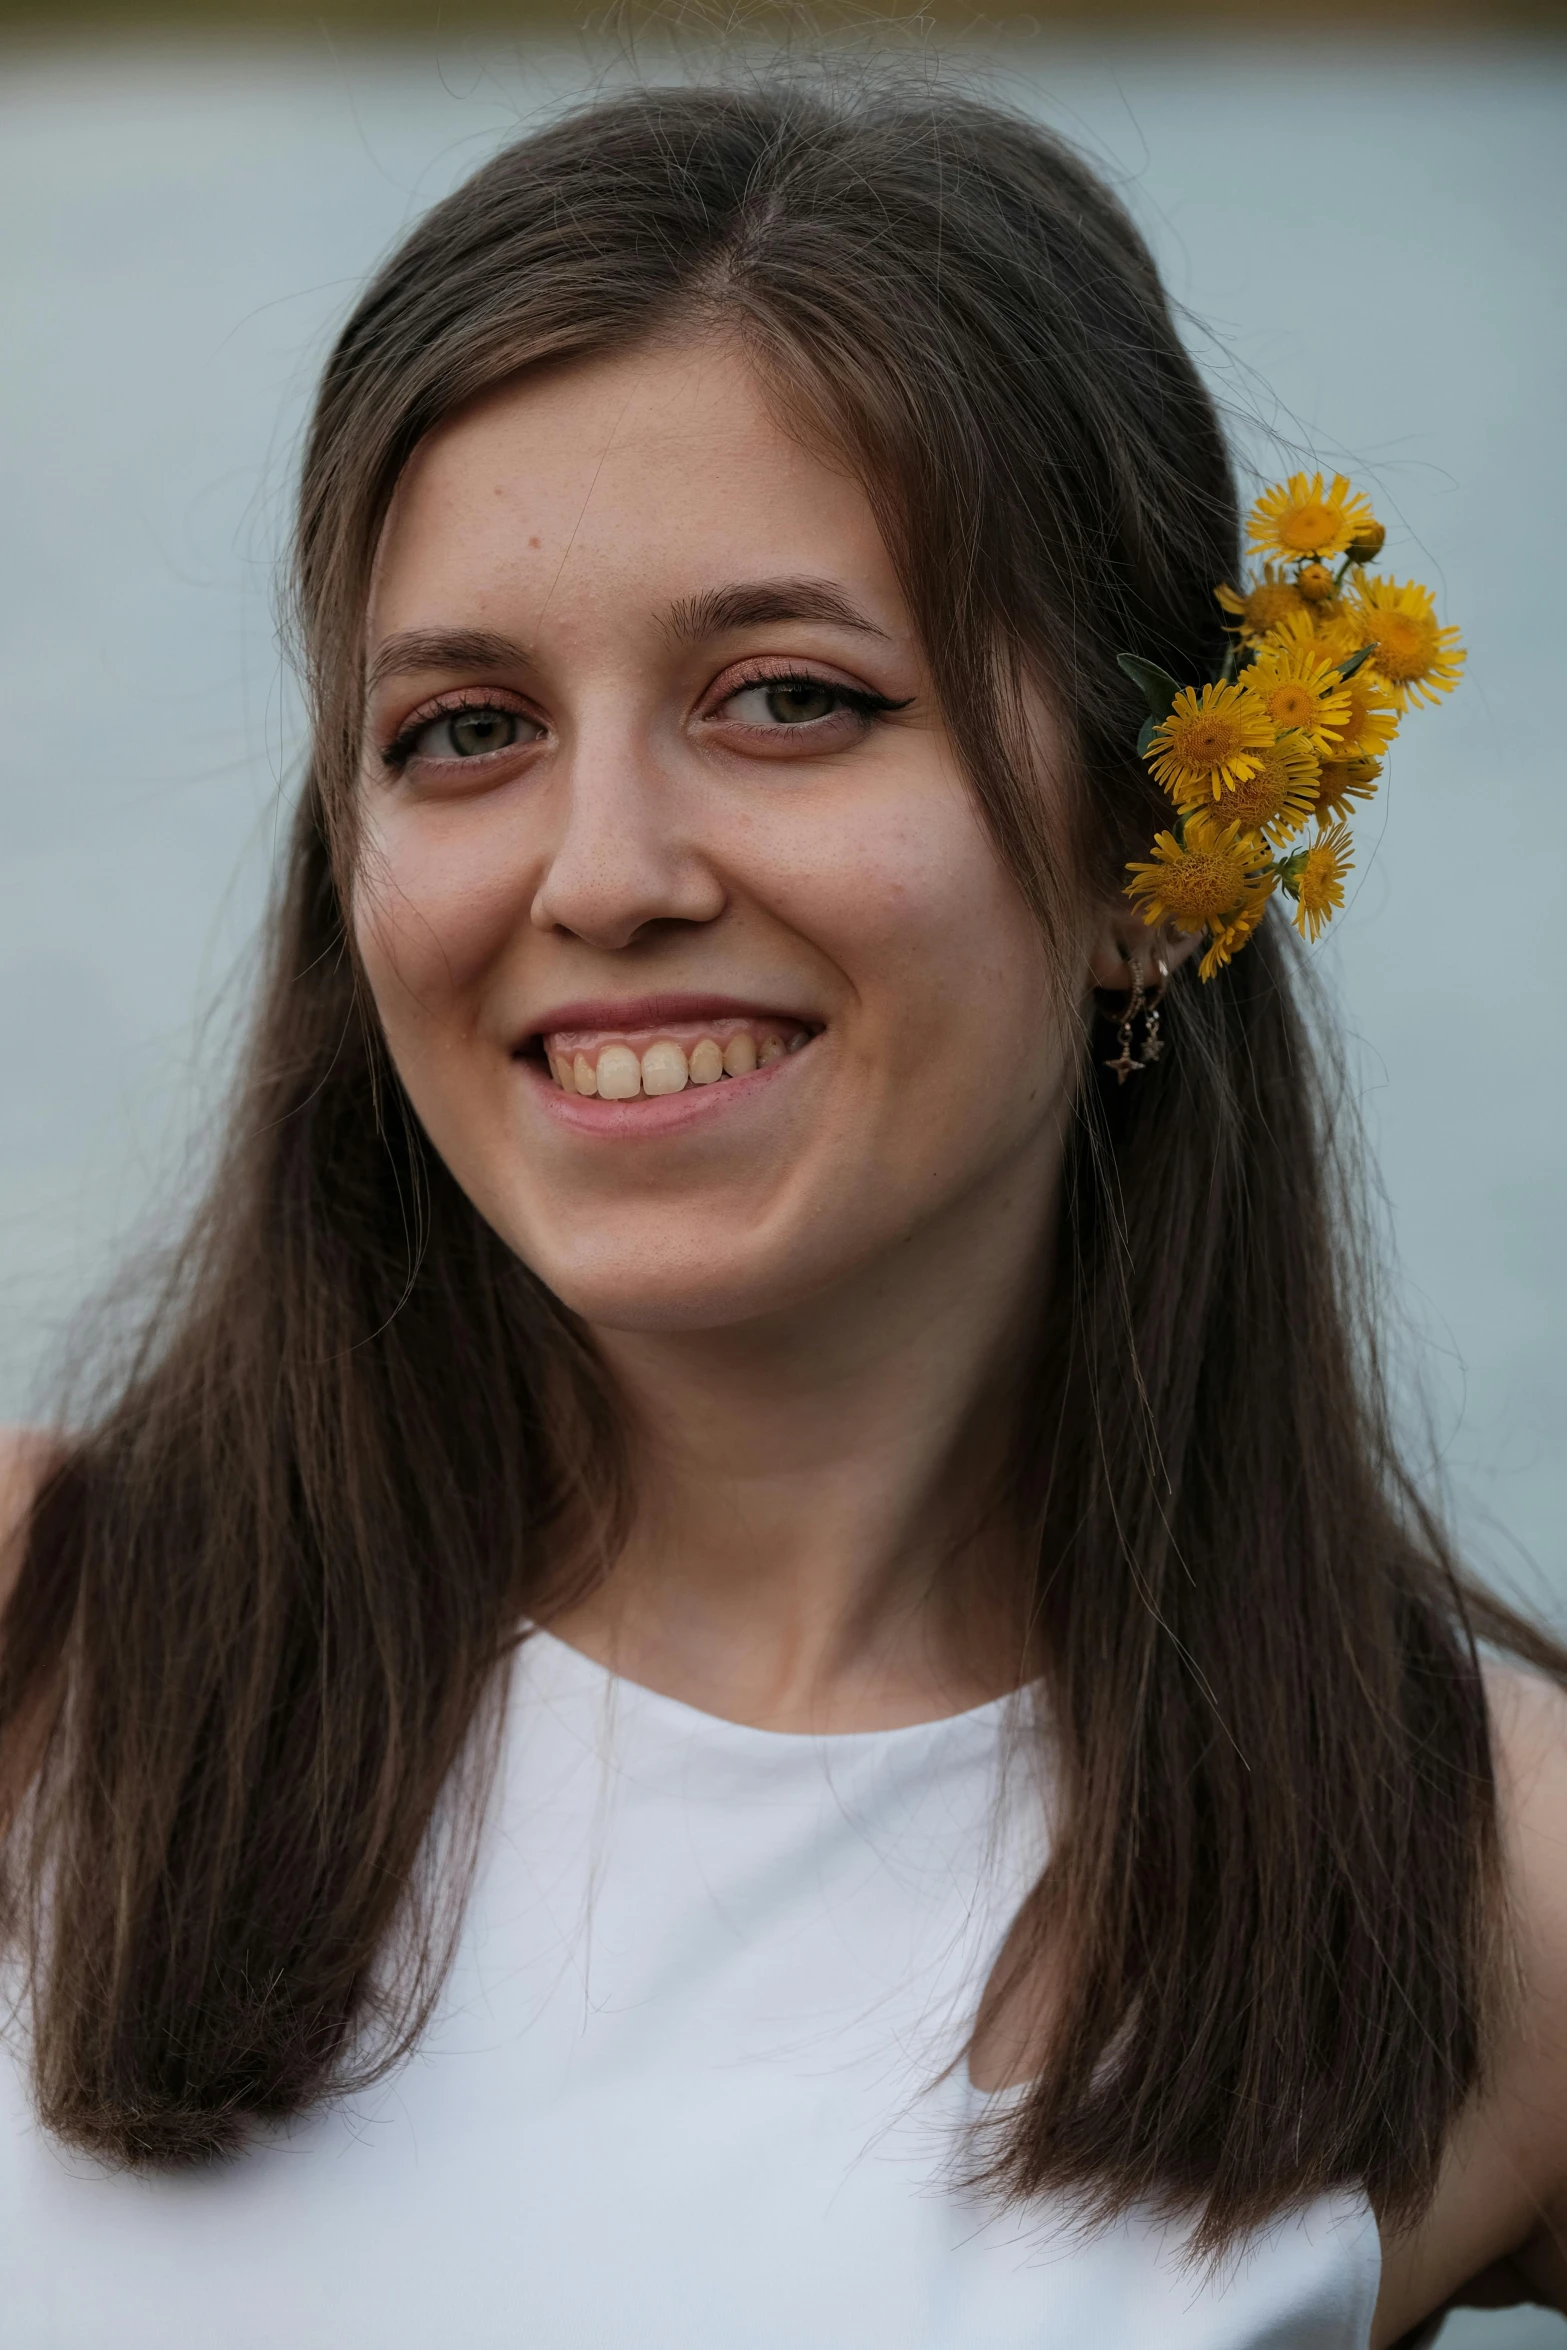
(695, 1718)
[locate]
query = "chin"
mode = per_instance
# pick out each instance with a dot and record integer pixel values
(686, 1280)
(703, 1302)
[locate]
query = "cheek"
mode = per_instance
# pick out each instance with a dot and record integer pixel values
(940, 950)
(433, 915)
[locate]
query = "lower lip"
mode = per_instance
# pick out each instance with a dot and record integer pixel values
(648, 1117)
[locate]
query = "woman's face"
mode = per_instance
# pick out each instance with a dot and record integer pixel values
(691, 948)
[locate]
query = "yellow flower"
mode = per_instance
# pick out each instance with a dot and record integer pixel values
(1315, 581)
(1200, 883)
(1367, 543)
(1342, 782)
(1227, 938)
(1371, 721)
(1318, 885)
(1274, 801)
(1299, 688)
(1300, 518)
(1419, 659)
(1211, 741)
(1266, 602)
(1323, 629)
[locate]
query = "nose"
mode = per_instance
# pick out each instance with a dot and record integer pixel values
(623, 856)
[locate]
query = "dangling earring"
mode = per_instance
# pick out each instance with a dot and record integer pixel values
(1145, 1006)
(1153, 1042)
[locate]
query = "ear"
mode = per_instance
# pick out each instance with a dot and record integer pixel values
(1123, 948)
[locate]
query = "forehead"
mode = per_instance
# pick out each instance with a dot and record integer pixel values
(638, 479)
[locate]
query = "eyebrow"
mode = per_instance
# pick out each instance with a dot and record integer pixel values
(750, 603)
(414, 649)
(715, 612)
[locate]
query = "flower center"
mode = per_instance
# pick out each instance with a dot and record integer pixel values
(1319, 882)
(1202, 888)
(1404, 644)
(1261, 797)
(1268, 604)
(1290, 704)
(1309, 527)
(1208, 742)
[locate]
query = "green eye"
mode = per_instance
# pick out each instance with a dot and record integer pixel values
(471, 733)
(798, 704)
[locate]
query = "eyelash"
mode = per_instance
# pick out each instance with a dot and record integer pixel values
(860, 699)
(400, 749)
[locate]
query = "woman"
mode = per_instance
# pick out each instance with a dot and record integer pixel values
(744, 1660)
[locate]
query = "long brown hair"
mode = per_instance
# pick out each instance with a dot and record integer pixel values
(258, 1629)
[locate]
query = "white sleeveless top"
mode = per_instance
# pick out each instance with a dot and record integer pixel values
(686, 2091)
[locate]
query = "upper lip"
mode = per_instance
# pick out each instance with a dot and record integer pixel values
(627, 1014)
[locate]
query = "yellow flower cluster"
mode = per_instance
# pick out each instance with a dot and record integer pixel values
(1325, 660)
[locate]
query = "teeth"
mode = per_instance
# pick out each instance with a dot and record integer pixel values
(618, 1073)
(664, 1069)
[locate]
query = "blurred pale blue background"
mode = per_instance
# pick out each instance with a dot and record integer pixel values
(1372, 237)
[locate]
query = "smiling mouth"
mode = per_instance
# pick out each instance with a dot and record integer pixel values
(625, 1065)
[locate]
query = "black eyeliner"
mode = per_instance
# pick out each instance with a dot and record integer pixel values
(399, 750)
(861, 698)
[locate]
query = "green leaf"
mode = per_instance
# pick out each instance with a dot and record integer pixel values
(1145, 735)
(1347, 669)
(1157, 687)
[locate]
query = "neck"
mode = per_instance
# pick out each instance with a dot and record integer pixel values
(811, 1545)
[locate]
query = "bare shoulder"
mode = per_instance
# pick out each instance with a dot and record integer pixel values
(1498, 2227)
(1529, 1733)
(25, 1455)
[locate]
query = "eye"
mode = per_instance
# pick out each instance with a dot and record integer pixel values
(471, 730)
(787, 701)
(778, 706)
(466, 734)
